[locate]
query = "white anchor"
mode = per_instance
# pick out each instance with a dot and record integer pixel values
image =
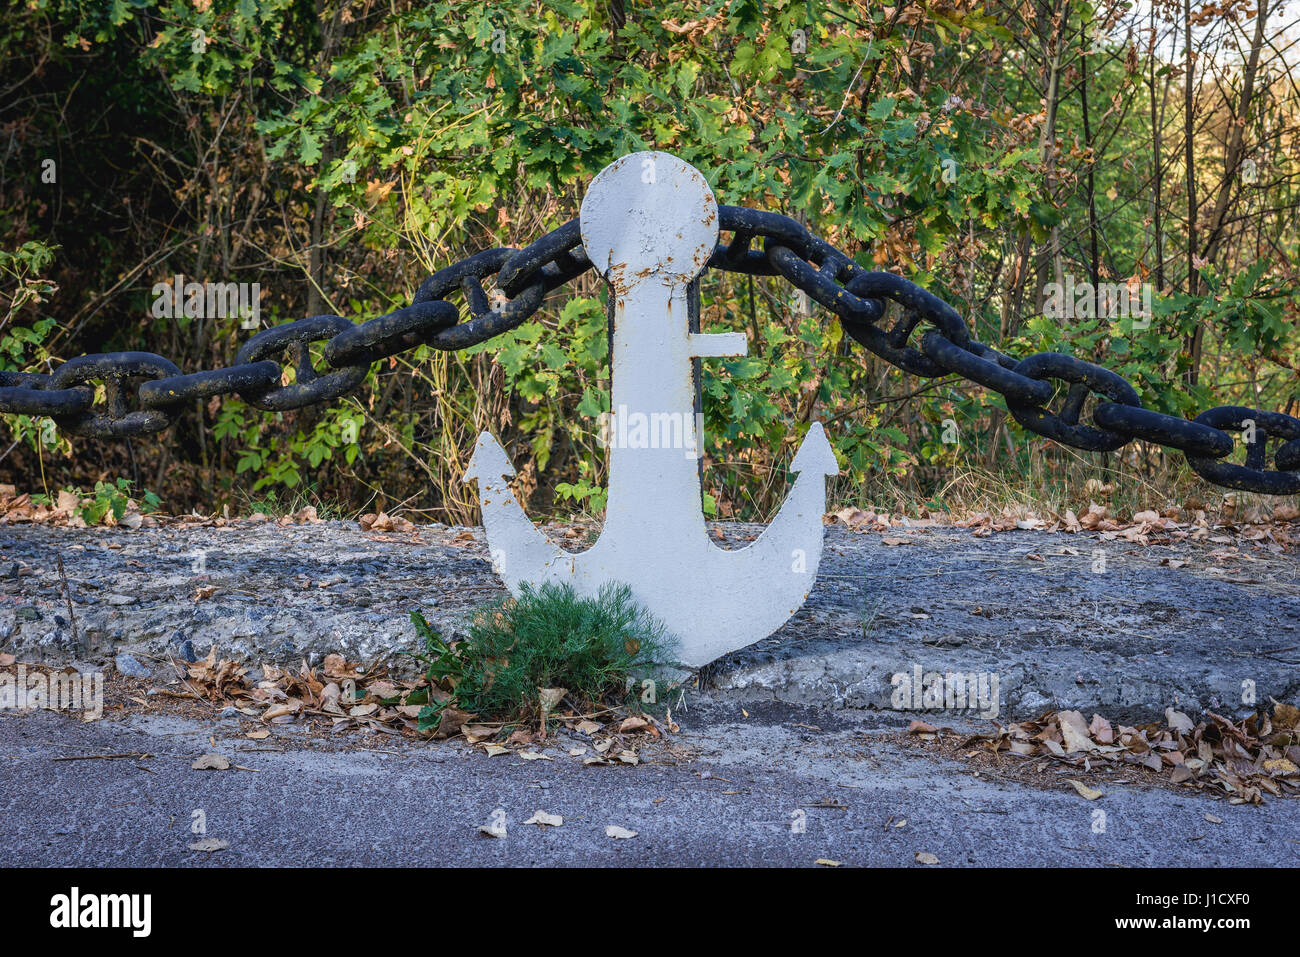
(649, 224)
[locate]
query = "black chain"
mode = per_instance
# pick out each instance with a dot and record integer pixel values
(523, 279)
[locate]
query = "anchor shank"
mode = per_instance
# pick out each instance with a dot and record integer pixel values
(654, 478)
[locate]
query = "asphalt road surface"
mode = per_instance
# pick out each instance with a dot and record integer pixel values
(766, 785)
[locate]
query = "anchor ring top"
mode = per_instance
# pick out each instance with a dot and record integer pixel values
(649, 217)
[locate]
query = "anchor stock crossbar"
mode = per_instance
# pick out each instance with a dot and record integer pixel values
(762, 244)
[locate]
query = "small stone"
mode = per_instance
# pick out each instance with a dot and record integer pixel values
(121, 599)
(1031, 702)
(184, 647)
(130, 665)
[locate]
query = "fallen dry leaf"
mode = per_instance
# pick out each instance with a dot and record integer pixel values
(1074, 732)
(211, 762)
(1085, 792)
(1179, 721)
(474, 733)
(548, 698)
(1280, 766)
(382, 522)
(635, 723)
(210, 844)
(451, 722)
(544, 819)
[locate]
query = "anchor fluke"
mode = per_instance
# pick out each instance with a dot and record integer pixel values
(520, 553)
(815, 455)
(489, 461)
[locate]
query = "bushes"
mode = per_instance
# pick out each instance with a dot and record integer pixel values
(547, 638)
(337, 159)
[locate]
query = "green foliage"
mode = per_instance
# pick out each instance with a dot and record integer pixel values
(23, 287)
(310, 147)
(547, 638)
(108, 499)
(279, 465)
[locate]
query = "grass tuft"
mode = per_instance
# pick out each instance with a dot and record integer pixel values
(597, 649)
(276, 503)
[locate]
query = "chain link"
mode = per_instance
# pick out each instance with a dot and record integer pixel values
(117, 370)
(522, 279)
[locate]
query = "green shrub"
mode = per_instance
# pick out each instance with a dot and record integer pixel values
(548, 637)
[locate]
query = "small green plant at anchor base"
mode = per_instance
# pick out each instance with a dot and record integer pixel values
(602, 651)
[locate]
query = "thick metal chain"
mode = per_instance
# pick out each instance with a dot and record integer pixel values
(524, 277)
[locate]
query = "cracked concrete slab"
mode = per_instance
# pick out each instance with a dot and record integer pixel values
(1193, 625)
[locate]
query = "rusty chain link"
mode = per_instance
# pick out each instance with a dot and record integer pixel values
(524, 277)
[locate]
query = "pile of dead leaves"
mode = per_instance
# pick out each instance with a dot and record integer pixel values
(614, 738)
(340, 691)
(383, 522)
(350, 696)
(65, 510)
(1143, 528)
(1240, 760)
(1272, 526)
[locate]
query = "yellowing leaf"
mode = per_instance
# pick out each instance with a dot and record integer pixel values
(1085, 792)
